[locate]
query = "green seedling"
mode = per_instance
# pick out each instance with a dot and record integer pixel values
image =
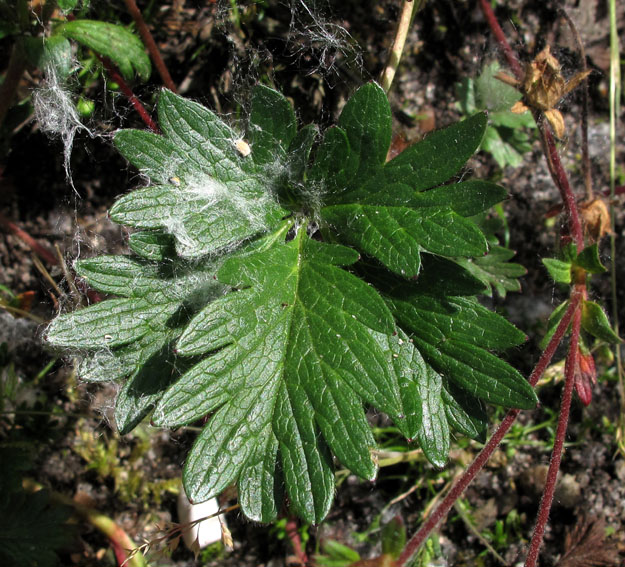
(506, 138)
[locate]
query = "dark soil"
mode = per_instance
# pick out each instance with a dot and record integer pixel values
(317, 53)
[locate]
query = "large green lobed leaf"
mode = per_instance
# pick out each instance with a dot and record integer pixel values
(282, 297)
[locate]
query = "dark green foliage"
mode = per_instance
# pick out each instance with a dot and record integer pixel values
(281, 296)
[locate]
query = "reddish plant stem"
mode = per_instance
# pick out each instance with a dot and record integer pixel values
(470, 473)
(561, 181)
(549, 146)
(556, 455)
(150, 44)
(296, 541)
(44, 253)
(123, 85)
(512, 59)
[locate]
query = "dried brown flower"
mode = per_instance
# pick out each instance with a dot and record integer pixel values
(543, 87)
(596, 218)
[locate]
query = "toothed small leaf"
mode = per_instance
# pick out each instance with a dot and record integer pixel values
(553, 322)
(467, 198)
(395, 234)
(559, 270)
(453, 335)
(434, 160)
(589, 260)
(495, 270)
(272, 125)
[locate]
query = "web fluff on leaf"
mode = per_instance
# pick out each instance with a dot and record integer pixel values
(280, 295)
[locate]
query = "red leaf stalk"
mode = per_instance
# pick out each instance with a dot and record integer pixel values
(123, 85)
(296, 541)
(512, 59)
(471, 472)
(556, 455)
(549, 146)
(561, 181)
(149, 42)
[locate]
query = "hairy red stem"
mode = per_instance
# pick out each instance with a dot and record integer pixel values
(561, 180)
(123, 85)
(470, 473)
(549, 146)
(296, 540)
(149, 42)
(556, 455)
(512, 59)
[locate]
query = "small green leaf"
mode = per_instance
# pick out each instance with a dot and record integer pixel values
(559, 270)
(480, 373)
(495, 270)
(595, 322)
(506, 144)
(51, 55)
(491, 93)
(114, 323)
(589, 260)
(115, 42)
(331, 169)
(458, 318)
(67, 6)
(452, 335)
(339, 552)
